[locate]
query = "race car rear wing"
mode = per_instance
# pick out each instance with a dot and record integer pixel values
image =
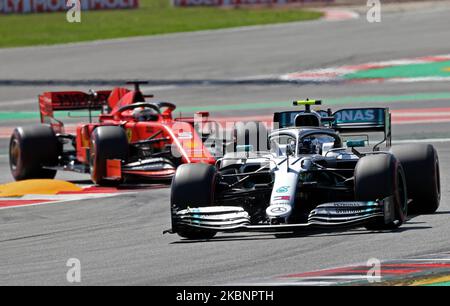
(364, 120)
(346, 121)
(71, 100)
(49, 102)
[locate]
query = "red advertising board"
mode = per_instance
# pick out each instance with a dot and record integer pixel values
(241, 2)
(38, 6)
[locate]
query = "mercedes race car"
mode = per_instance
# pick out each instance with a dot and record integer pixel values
(319, 171)
(131, 138)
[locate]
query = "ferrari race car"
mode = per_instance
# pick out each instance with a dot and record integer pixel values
(319, 170)
(132, 138)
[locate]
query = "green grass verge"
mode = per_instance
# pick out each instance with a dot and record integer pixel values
(153, 17)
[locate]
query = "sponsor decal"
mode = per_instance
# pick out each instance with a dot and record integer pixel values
(283, 189)
(346, 208)
(129, 134)
(359, 116)
(339, 211)
(279, 209)
(349, 211)
(282, 198)
(352, 204)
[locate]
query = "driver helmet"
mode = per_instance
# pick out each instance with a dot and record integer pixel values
(305, 146)
(315, 144)
(143, 114)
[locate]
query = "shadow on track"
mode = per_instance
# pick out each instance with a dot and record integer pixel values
(442, 213)
(316, 233)
(130, 186)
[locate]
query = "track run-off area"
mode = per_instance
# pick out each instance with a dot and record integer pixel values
(236, 74)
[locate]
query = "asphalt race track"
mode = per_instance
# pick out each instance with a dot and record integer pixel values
(119, 240)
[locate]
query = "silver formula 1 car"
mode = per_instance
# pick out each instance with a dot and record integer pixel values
(318, 170)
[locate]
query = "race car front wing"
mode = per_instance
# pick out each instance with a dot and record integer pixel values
(327, 215)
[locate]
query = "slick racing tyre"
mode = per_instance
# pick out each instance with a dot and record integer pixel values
(421, 165)
(252, 133)
(30, 150)
(107, 142)
(380, 176)
(193, 184)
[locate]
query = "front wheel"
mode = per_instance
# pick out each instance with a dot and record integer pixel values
(193, 186)
(380, 176)
(107, 142)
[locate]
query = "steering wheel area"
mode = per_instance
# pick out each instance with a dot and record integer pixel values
(312, 142)
(134, 106)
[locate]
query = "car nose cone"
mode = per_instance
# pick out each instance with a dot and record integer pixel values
(278, 211)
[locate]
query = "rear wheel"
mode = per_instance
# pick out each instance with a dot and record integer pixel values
(193, 184)
(421, 165)
(380, 176)
(30, 150)
(107, 142)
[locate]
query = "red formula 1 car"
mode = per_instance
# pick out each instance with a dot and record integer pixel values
(132, 138)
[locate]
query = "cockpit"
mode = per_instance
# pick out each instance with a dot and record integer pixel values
(310, 142)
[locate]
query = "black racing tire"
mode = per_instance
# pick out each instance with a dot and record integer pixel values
(421, 165)
(193, 184)
(107, 142)
(252, 133)
(380, 176)
(31, 149)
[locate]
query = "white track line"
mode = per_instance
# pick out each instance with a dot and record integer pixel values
(421, 140)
